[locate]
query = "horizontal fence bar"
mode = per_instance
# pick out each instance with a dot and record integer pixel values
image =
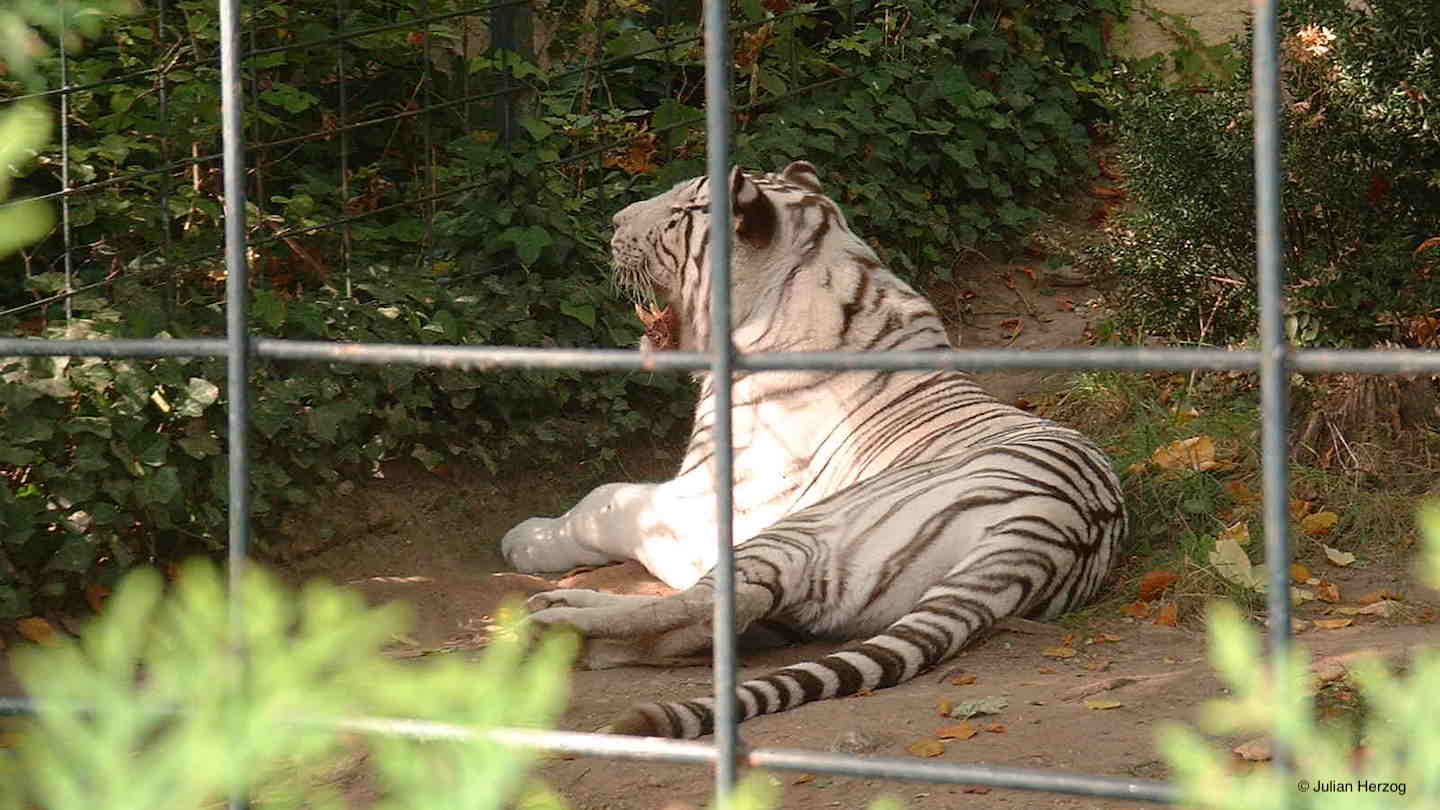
(685, 752)
(482, 358)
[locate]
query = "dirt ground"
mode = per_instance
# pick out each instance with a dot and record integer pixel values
(433, 542)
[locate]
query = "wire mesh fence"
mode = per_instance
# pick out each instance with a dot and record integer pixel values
(301, 82)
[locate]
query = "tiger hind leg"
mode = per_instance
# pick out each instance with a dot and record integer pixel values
(964, 604)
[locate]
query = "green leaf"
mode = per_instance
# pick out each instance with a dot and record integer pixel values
(93, 425)
(539, 130)
(528, 242)
(75, 555)
(199, 395)
(158, 488)
(584, 313)
(202, 446)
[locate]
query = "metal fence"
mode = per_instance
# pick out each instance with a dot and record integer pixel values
(1275, 361)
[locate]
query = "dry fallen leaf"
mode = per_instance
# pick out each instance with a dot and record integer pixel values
(1241, 493)
(1102, 705)
(944, 706)
(1104, 638)
(1376, 596)
(1058, 652)
(1195, 453)
(1319, 524)
(1327, 592)
(1333, 624)
(1232, 563)
(1238, 531)
(95, 596)
(1338, 557)
(926, 748)
(1155, 583)
(1299, 596)
(1299, 508)
(996, 728)
(1137, 610)
(962, 680)
(1383, 608)
(1169, 615)
(1099, 666)
(966, 709)
(37, 630)
(961, 731)
(1299, 574)
(1257, 750)
(803, 778)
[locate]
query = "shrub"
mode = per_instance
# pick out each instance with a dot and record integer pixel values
(1361, 155)
(154, 708)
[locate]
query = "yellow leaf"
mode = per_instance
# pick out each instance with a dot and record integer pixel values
(1102, 705)
(1239, 532)
(1299, 574)
(945, 706)
(1195, 453)
(926, 748)
(962, 680)
(1338, 557)
(1333, 624)
(1320, 523)
(37, 630)
(1233, 564)
(803, 778)
(962, 731)
(1059, 652)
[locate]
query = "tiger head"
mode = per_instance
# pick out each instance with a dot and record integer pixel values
(661, 246)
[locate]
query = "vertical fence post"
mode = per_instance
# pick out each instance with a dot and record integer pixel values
(717, 126)
(1274, 353)
(237, 358)
(237, 335)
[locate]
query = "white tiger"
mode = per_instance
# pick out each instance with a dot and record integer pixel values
(911, 508)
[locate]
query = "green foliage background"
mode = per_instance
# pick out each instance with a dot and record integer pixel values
(933, 123)
(1361, 156)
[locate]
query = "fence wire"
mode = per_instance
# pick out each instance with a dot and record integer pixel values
(1274, 362)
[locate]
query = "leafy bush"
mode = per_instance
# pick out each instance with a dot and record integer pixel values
(934, 124)
(1361, 159)
(108, 733)
(1399, 736)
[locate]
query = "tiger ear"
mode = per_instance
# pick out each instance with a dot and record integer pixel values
(755, 216)
(802, 173)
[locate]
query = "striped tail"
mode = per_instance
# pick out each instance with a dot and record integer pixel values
(954, 611)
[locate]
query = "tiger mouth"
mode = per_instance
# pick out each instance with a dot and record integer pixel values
(662, 326)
